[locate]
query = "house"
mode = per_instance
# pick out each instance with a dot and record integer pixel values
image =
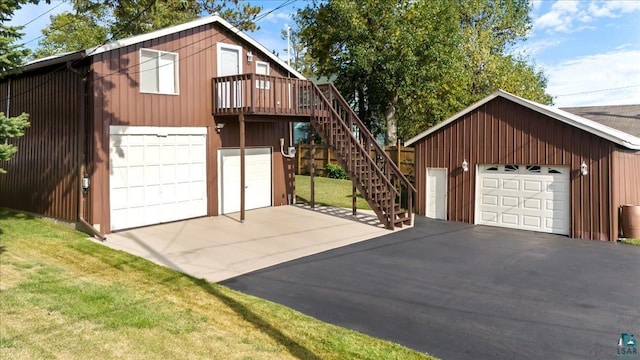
(510, 162)
(188, 121)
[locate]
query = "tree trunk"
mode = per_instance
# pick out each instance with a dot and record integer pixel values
(391, 135)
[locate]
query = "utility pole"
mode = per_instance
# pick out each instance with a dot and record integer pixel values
(288, 45)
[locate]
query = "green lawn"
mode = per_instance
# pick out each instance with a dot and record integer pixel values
(330, 192)
(635, 242)
(64, 296)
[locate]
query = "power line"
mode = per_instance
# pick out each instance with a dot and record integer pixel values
(601, 90)
(44, 13)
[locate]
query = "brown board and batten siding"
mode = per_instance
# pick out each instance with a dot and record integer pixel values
(626, 182)
(503, 132)
(118, 101)
(44, 177)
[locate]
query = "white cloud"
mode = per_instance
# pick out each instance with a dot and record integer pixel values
(279, 17)
(571, 16)
(612, 9)
(617, 72)
(531, 48)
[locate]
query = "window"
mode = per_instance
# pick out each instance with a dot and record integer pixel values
(534, 169)
(158, 72)
(554, 171)
(262, 68)
(492, 168)
(510, 168)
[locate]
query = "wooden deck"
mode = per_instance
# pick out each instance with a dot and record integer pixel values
(253, 94)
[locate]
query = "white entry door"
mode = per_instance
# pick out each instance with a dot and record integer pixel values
(436, 201)
(229, 93)
(257, 179)
(156, 174)
(528, 197)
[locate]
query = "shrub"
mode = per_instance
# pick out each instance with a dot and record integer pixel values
(336, 172)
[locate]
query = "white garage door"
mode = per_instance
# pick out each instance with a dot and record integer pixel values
(157, 174)
(257, 179)
(529, 197)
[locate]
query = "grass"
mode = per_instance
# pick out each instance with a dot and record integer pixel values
(329, 192)
(635, 242)
(64, 296)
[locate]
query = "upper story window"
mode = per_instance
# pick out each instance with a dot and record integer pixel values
(262, 68)
(158, 72)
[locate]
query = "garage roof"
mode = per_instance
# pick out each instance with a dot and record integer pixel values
(625, 118)
(614, 135)
(57, 59)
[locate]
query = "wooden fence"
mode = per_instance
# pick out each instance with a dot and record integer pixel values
(404, 159)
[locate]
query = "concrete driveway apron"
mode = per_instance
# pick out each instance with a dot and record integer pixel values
(219, 248)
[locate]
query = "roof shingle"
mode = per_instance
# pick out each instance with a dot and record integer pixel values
(625, 118)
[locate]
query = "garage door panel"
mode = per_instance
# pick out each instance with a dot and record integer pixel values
(152, 195)
(534, 200)
(509, 219)
(119, 199)
(509, 201)
(490, 183)
(135, 176)
(490, 217)
(152, 175)
(510, 184)
(531, 221)
(535, 186)
(154, 180)
(489, 199)
(168, 155)
(532, 204)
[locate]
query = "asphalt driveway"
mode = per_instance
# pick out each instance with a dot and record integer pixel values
(460, 291)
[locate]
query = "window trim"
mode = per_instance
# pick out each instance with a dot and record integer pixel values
(176, 71)
(263, 85)
(219, 46)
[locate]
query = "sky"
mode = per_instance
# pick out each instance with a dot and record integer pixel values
(588, 50)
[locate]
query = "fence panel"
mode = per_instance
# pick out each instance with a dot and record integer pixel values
(404, 159)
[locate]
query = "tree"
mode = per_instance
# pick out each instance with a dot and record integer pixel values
(98, 21)
(299, 58)
(11, 57)
(489, 29)
(413, 63)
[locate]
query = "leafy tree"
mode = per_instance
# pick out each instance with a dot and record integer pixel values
(489, 29)
(98, 21)
(413, 63)
(11, 56)
(300, 59)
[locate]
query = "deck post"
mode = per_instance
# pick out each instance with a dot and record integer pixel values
(242, 165)
(354, 200)
(312, 171)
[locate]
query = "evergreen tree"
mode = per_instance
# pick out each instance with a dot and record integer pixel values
(11, 57)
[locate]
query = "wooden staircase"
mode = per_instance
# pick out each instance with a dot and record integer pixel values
(372, 172)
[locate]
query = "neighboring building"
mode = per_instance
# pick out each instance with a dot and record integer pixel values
(625, 118)
(510, 162)
(150, 129)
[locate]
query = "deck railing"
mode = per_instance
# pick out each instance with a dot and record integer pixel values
(261, 94)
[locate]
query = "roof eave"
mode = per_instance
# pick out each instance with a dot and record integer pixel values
(618, 137)
(36, 64)
(39, 64)
(190, 25)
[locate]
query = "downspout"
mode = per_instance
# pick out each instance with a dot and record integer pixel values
(80, 153)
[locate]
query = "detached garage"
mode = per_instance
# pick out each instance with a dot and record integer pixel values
(510, 162)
